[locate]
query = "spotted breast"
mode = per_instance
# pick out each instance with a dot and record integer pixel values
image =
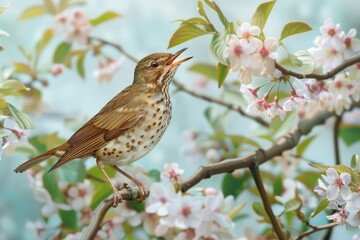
(140, 139)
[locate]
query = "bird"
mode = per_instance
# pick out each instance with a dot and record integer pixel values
(127, 127)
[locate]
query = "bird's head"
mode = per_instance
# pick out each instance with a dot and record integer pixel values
(157, 68)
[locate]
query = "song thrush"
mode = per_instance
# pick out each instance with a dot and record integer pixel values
(128, 126)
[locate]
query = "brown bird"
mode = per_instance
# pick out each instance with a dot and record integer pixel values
(128, 126)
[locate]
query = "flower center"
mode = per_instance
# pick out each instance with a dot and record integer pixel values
(247, 35)
(339, 183)
(264, 52)
(163, 199)
(186, 211)
(237, 50)
(331, 32)
(347, 42)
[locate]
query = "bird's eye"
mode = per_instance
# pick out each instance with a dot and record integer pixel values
(154, 64)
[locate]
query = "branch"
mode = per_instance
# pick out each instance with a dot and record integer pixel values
(286, 142)
(347, 63)
(316, 229)
(254, 168)
(230, 106)
(98, 214)
(336, 139)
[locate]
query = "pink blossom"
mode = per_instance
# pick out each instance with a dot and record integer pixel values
(79, 195)
(352, 44)
(266, 55)
(107, 70)
(162, 195)
(338, 185)
(249, 33)
(353, 208)
(57, 69)
(172, 172)
(338, 217)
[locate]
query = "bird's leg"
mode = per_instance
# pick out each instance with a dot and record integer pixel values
(116, 192)
(143, 191)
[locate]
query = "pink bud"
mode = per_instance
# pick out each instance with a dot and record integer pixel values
(57, 69)
(210, 192)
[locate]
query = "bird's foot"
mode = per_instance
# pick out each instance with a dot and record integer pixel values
(143, 193)
(117, 198)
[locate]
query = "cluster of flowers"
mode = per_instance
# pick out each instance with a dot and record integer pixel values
(11, 138)
(247, 53)
(342, 199)
(201, 214)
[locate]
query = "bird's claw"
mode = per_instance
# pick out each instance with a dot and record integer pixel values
(143, 193)
(117, 198)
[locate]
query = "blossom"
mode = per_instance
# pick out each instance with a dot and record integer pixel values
(107, 70)
(213, 155)
(160, 198)
(337, 184)
(249, 33)
(57, 69)
(266, 55)
(352, 44)
(185, 213)
(43, 231)
(338, 217)
(79, 195)
(353, 207)
(172, 172)
(331, 32)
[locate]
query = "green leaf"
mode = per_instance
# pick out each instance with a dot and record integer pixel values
(62, 52)
(4, 8)
(50, 6)
(304, 144)
(69, 219)
(22, 119)
(220, 14)
(221, 73)
(73, 172)
(23, 68)
(202, 11)
(101, 193)
(309, 179)
(11, 87)
(186, 32)
(238, 140)
(33, 11)
(137, 206)
(322, 205)
(304, 61)
(106, 16)
(218, 46)
(51, 182)
(278, 186)
(235, 185)
(154, 175)
(262, 13)
(47, 36)
(350, 134)
(293, 28)
(355, 163)
(80, 65)
(205, 69)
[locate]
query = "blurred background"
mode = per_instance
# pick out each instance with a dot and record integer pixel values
(146, 27)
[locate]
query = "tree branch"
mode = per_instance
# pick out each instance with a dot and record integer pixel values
(230, 106)
(286, 142)
(254, 168)
(98, 214)
(336, 139)
(347, 63)
(315, 229)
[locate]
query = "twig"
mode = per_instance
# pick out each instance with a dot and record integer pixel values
(230, 106)
(127, 194)
(347, 63)
(336, 139)
(288, 141)
(315, 229)
(254, 168)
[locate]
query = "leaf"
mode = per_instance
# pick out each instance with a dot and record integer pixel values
(309, 179)
(10, 87)
(322, 205)
(218, 46)
(235, 185)
(262, 13)
(154, 175)
(304, 144)
(22, 119)
(61, 52)
(50, 6)
(205, 69)
(350, 134)
(69, 219)
(80, 65)
(138, 207)
(220, 14)
(47, 36)
(293, 28)
(238, 140)
(106, 16)
(33, 11)
(201, 10)
(50, 182)
(355, 164)
(100, 194)
(304, 61)
(221, 73)
(185, 32)
(23, 68)
(3, 9)
(278, 186)
(73, 172)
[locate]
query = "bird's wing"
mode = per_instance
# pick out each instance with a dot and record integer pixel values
(120, 114)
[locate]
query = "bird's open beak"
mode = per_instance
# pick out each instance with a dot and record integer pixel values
(174, 56)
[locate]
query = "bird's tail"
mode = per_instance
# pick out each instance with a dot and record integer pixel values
(58, 151)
